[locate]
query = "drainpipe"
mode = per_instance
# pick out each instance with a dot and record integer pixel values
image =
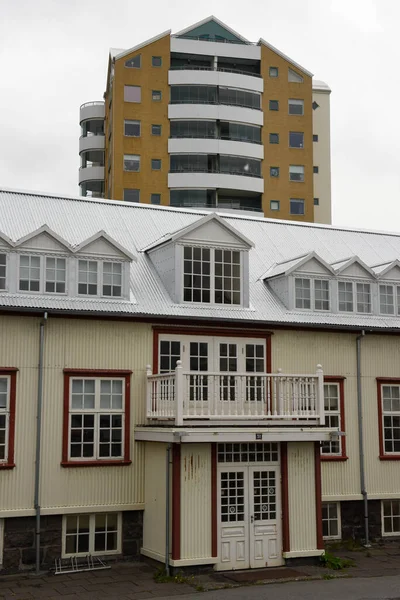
(38, 440)
(361, 439)
(167, 509)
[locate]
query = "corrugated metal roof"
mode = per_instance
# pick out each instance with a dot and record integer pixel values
(136, 226)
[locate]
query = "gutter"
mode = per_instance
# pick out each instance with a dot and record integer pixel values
(38, 440)
(361, 439)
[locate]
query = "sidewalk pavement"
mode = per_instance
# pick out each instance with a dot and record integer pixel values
(135, 581)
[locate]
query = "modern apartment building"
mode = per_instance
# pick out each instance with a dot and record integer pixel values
(204, 118)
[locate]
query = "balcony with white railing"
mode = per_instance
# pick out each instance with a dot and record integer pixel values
(198, 398)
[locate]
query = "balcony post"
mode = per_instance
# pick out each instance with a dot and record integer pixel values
(178, 394)
(149, 385)
(320, 394)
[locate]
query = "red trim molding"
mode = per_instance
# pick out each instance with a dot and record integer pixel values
(343, 456)
(285, 498)
(379, 382)
(214, 502)
(125, 374)
(217, 331)
(318, 495)
(12, 373)
(176, 502)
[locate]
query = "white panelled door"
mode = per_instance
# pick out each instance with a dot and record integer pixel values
(249, 517)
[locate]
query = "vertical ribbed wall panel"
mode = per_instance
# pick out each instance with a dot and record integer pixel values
(195, 501)
(155, 499)
(302, 508)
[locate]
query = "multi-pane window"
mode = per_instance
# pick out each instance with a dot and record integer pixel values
(386, 299)
(29, 273)
(131, 162)
(332, 418)
(391, 418)
(363, 291)
(296, 107)
(302, 293)
(245, 452)
(296, 139)
(345, 289)
(296, 172)
(170, 353)
(112, 279)
(87, 277)
(331, 520)
(227, 277)
(55, 275)
(391, 517)
(4, 416)
(96, 418)
(132, 128)
(212, 275)
(321, 294)
(3, 270)
(92, 534)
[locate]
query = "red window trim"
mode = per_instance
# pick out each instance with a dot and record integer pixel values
(12, 373)
(379, 382)
(125, 374)
(217, 331)
(343, 456)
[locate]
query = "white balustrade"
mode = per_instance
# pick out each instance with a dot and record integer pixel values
(193, 395)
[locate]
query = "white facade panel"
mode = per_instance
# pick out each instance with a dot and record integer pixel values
(154, 526)
(195, 501)
(248, 51)
(211, 112)
(301, 476)
(214, 146)
(210, 77)
(215, 180)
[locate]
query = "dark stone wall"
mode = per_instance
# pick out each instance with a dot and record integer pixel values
(19, 551)
(353, 527)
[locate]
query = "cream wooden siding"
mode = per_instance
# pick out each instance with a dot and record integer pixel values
(302, 509)
(195, 501)
(81, 344)
(155, 499)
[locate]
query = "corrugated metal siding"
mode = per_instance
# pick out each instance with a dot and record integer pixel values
(195, 501)
(302, 510)
(155, 489)
(70, 344)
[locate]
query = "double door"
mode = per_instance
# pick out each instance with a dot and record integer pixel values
(249, 517)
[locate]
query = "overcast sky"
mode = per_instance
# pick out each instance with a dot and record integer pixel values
(54, 53)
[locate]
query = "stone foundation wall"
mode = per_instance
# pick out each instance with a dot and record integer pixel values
(19, 551)
(352, 514)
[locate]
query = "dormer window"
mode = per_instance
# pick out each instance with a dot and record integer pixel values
(389, 299)
(3, 271)
(96, 275)
(56, 270)
(112, 279)
(312, 294)
(87, 278)
(211, 275)
(29, 273)
(354, 295)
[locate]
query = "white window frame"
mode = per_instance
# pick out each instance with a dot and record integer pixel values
(42, 274)
(6, 411)
(335, 413)
(56, 258)
(92, 526)
(97, 411)
(312, 281)
(5, 254)
(100, 278)
(389, 533)
(396, 298)
(213, 276)
(339, 523)
(388, 413)
(354, 284)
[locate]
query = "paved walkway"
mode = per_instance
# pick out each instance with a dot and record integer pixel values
(131, 581)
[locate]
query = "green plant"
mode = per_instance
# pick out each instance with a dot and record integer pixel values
(330, 561)
(161, 577)
(328, 576)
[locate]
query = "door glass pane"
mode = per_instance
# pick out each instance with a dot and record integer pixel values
(264, 494)
(198, 360)
(255, 363)
(227, 364)
(232, 497)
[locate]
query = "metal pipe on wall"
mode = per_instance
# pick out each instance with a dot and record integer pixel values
(38, 440)
(361, 438)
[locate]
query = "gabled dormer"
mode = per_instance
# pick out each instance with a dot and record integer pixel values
(388, 275)
(354, 286)
(353, 267)
(205, 263)
(303, 282)
(5, 246)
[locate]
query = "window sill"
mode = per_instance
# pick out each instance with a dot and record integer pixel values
(7, 466)
(334, 458)
(95, 463)
(389, 457)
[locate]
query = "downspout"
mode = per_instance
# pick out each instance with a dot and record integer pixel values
(361, 439)
(38, 440)
(167, 509)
